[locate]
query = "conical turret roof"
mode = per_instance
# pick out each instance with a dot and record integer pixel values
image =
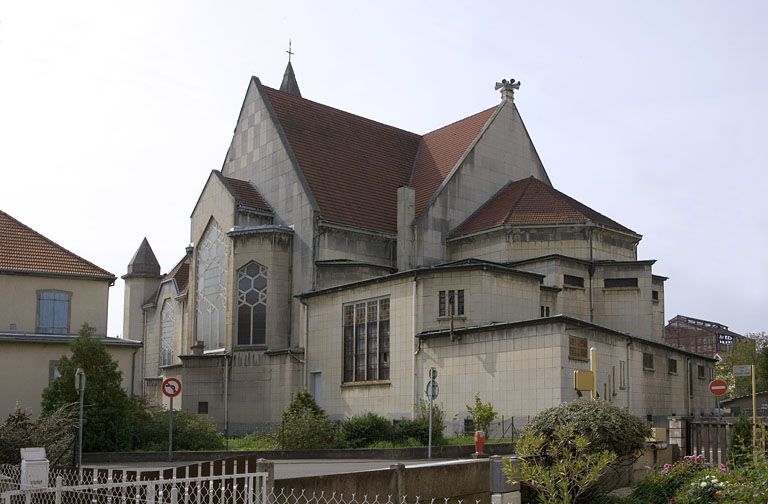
(144, 263)
(289, 84)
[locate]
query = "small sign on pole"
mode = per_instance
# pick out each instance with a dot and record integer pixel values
(171, 387)
(718, 387)
(742, 370)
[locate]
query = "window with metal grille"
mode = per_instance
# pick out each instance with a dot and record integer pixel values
(53, 311)
(450, 302)
(648, 361)
(366, 340)
(613, 283)
(573, 281)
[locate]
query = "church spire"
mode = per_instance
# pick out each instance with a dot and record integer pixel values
(289, 84)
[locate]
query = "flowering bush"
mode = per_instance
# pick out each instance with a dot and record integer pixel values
(660, 487)
(702, 490)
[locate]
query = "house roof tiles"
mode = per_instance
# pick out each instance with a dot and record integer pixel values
(246, 194)
(24, 250)
(532, 202)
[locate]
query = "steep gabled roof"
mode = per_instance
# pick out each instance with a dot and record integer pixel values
(440, 150)
(353, 165)
(532, 202)
(179, 274)
(24, 250)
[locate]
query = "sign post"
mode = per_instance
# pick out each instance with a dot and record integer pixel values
(171, 387)
(749, 370)
(718, 387)
(80, 386)
(432, 391)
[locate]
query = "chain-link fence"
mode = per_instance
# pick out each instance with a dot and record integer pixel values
(295, 496)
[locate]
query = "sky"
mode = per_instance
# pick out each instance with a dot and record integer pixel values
(113, 114)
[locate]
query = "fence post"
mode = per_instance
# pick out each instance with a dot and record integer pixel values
(57, 493)
(397, 482)
(150, 492)
(174, 494)
(266, 466)
(502, 490)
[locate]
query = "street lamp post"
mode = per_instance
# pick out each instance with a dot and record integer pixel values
(80, 386)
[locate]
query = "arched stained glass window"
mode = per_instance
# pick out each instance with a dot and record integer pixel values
(167, 320)
(211, 299)
(252, 304)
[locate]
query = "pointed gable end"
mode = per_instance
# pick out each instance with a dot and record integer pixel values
(439, 153)
(532, 202)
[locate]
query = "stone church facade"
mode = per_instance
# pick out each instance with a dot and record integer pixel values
(349, 257)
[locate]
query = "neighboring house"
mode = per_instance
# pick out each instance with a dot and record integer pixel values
(46, 294)
(701, 336)
(743, 404)
(349, 257)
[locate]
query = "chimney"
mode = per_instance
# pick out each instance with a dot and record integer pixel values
(406, 213)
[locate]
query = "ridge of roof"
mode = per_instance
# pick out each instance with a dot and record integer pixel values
(530, 201)
(440, 151)
(24, 250)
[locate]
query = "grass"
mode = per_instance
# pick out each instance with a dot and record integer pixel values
(257, 442)
(252, 442)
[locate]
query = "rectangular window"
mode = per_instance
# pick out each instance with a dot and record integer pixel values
(672, 366)
(578, 348)
(655, 295)
(573, 281)
(202, 408)
(450, 302)
(614, 283)
(544, 311)
(366, 340)
(648, 361)
(53, 371)
(700, 372)
(53, 312)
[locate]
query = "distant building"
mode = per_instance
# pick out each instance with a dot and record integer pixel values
(46, 294)
(700, 336)
(743, 404)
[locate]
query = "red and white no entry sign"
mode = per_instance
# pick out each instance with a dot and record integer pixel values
(171, 387)
(718, 387)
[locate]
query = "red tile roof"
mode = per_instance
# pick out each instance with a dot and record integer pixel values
(439, 152)
(353, 165)
(247, 195)
(180, 273)
(22, 249)
(530, 202)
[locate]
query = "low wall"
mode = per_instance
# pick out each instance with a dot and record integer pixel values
(468, 479)
(438, 452)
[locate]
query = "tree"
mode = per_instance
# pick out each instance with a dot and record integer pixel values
(109, 414)
(52, 432)
(754, 351)
(482, 414)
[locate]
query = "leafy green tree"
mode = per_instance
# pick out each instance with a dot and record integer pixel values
(482, 414)
(754, 351)
(560, 467)
(110, 416)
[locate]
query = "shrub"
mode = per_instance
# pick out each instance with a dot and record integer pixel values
(418, 428)
(482, 414)
(54, 432)
(365, 430)
(560, 467)
(190, 432)
(253, 442)
(741, 441)
(305, 426)
(660, 487)
(607, 427)
(748, 484)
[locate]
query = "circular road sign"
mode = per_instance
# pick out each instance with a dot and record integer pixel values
(433, 389)
(718, 387)
(171, 387)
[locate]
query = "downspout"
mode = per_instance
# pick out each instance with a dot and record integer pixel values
(227, 359)
(133, 371)
(305, 310)
(418, 347)
(591, 277)
(626, 370)
(144, 352)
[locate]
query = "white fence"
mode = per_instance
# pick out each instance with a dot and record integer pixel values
(248, 488)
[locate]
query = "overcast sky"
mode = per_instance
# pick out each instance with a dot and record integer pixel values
(655, 113)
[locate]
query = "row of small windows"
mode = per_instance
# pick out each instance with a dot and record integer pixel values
(450, 303)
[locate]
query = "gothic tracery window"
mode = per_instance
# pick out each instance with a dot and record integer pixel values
(212, 253)
(167, 319)
(252, 304)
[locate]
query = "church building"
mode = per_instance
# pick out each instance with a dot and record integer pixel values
(349, 257)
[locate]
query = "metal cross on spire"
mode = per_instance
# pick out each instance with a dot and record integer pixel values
(290, 53)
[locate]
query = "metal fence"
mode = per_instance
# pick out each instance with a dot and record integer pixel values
(294, 496)
(710, 437)
(249, 488)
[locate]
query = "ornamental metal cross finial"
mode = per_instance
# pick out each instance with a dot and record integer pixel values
(508, 88)
(289, 51)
